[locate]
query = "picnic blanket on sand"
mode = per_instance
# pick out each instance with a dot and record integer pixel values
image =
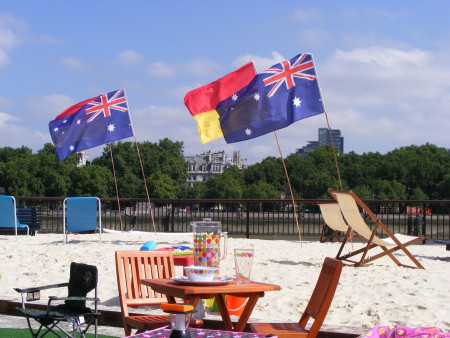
(404, 331)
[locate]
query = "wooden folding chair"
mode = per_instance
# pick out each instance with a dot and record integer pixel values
(333, 220)
(316, 309)
(131, 267)
(348, 202)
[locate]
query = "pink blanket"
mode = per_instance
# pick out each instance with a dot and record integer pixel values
(404, 331)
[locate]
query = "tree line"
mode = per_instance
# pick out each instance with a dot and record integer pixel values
(407, 173)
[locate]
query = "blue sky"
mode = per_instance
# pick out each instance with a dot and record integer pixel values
(383, 66)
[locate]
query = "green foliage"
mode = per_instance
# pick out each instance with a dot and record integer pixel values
(162, 185)
(261, 190)
(198, 190)
(227, 185)
(414, 172)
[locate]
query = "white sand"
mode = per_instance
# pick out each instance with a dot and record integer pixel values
(380, 293)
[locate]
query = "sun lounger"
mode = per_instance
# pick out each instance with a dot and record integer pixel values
(348, 202)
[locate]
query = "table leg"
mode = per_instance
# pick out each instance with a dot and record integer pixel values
(224, 312)
(248, 309)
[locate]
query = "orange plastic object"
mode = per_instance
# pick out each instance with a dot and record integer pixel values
(176, 307)
(235, 305)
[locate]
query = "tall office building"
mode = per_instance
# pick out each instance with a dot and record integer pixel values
(323, 139)
(338, 140)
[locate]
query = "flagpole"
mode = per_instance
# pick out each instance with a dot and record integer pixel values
(290, 189)
(329, 131)
(115, 183)
(142, 168)
(334, 153)
(145, 185)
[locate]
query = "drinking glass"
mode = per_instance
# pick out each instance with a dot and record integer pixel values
(243, 259)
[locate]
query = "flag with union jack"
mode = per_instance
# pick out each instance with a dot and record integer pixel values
(274, 99)
(91, 123)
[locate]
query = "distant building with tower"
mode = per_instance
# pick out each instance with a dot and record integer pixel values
(323, 139)
(209, 164)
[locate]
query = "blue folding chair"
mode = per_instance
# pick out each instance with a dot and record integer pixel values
(81, 214)
(8, 215)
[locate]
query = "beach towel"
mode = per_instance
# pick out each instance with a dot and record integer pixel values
(404, 331)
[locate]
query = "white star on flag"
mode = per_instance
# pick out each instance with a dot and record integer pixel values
(248, 131)
(256, 96)
(111, 127)
(297, 102)
(234, 97)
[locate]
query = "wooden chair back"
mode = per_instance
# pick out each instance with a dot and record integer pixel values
(317, 307)
(131, 267)
(322, 296)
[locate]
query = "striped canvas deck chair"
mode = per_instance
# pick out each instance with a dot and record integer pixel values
(349, 204)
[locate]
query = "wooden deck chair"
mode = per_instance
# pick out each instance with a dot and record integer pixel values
(81, 214)
(317, 307)
(8, 215)
(131, 267)
(348, 202)
(332, 216)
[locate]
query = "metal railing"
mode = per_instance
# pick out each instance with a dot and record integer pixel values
(248, 218)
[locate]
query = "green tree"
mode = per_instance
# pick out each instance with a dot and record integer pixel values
(91, 181)
(165, 157)
(261, 190)
(383, 189)
(162, 186)
(227, 185)
(198, 190)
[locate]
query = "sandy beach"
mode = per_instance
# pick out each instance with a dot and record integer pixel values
(380, 293)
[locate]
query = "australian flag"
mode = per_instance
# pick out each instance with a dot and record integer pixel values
(274, 99)
(91, 123)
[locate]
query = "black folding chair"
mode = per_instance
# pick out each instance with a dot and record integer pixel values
(79, 318)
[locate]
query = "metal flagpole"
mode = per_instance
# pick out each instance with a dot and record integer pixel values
(115, 183)
(142, 168)
(290, 189)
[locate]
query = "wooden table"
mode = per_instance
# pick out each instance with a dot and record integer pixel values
(253, 291)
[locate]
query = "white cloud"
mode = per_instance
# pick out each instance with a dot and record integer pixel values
(161, 69)
(49, 106)
(47, 39)
(130, 58)
(13, 32)
(202, 67)
(6, 118)
(15, 133)
(261, 63)
(73, 63)
(384, 57)
(314, 37)
(382, 98)
(4, 57)
(4, 102)
(165, 118)
(307, 15)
